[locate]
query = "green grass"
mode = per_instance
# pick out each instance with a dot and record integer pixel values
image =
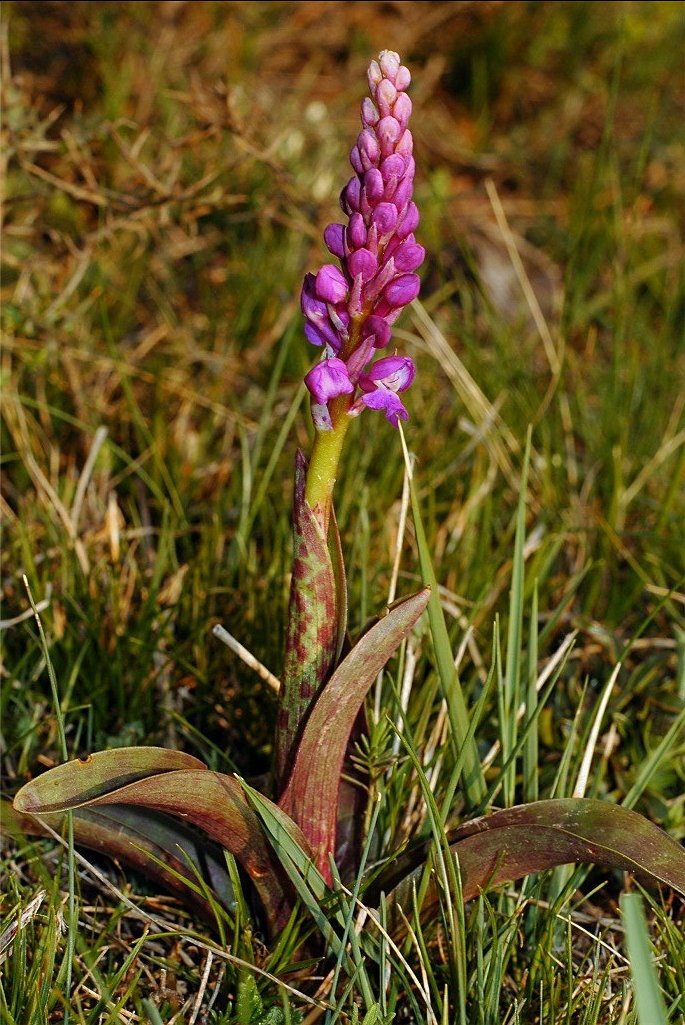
(170, 171)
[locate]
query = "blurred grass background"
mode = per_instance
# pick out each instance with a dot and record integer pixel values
(169, 168)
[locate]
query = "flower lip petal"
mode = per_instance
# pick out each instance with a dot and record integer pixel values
(390, 403)
(313, 308)
(313, 335)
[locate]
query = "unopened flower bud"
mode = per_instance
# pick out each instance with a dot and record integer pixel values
(409, 256)
(389, 64)
(386, 94)
(374, 186)
(385, 218)
(328, 379)
(375, 75)
(402, 79)
(370, 115)
(362, 262)
(389, 131)
(403, 290)
(402, 109)
(334, 237)
(331, 285)
(409, 222)
(368, 149)
(356, 232)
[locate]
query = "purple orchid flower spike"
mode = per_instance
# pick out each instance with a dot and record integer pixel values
(350, 310)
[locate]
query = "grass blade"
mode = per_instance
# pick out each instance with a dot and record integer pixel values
(474, 781)
(651, 1009)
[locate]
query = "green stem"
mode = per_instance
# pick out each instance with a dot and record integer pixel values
(323, 465)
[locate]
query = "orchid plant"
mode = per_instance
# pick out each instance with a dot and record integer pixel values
(164, 811)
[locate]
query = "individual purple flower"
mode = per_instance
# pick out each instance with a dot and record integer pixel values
(380, 385)
(395, 373)
(350, 310)
(328, 379)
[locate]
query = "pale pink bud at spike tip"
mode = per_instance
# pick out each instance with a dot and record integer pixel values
(402, 79)
(369, 113)
(402, 109)
(375, 76)
(386, 94)
(349, 311)
(390, 63)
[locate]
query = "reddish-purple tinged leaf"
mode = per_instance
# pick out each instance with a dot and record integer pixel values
(158, 846)
(311, 797)
(316, 620)
(210, 801)
(513, 843)
(76, 781)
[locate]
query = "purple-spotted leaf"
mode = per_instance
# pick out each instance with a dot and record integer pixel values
(156, 845)
(516, 842)
(312, 795)
(209, 801)
(316, 620)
